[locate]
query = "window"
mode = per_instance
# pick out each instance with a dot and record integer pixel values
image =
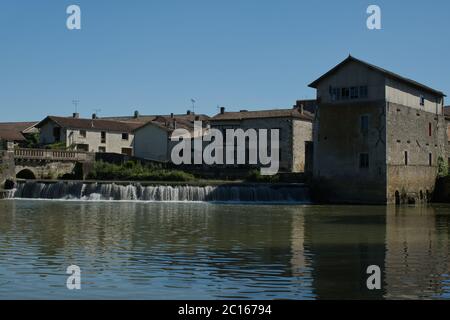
(406, 158)
(101, 149)
(345, 93)
(430, 129)
(103, 137)
(430, 159)
(365, 125)
(354, 93)
(363, 92)
(83, 133)
(364, 161)
(125, 136)
(422, 100)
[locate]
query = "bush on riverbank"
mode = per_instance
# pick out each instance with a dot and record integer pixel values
(442, 167)
(255, 176)
(132, 171)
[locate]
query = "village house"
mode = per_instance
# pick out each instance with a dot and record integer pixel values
(294, 125)
(89, 135)
(154, 139)
(378, 136)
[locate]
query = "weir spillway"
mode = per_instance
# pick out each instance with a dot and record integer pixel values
(99, 191)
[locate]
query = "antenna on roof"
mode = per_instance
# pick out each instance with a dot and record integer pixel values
(75, 103)
(193, 105)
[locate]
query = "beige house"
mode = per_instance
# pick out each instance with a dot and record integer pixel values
(90, 135)
(153, 140)
(378, 136)
(294, 125)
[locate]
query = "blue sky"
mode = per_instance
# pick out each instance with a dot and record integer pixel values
(154, 56)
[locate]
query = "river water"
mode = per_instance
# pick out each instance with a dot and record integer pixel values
(136, 250)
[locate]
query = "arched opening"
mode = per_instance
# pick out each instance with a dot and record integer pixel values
(421, 195)
(26, 174)
(397, 198)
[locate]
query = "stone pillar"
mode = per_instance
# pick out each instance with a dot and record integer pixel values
(7, 167)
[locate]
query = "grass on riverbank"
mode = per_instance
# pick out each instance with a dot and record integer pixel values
(132, 171)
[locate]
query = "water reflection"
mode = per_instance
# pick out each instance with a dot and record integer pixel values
(417, 248)
(208, 251)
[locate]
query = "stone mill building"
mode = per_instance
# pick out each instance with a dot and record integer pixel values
(378, 136)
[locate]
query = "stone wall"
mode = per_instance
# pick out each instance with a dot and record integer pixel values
(7, 169)
(301, 134)
(46, 170)
(420, 134)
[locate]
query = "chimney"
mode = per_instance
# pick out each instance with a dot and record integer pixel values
(75, 115)
(171, 115)
(94, 116)
(188, 112)
(222, 110)
(136, 114)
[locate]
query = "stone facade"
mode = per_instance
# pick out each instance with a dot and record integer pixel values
(379, 139)
(294, 134)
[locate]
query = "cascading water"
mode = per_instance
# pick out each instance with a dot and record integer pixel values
(138, 192)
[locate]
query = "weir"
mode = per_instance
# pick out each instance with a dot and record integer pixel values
(78, 190)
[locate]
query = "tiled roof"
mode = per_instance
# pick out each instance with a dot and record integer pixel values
(383, 71)
(11, 135)
(169, 123)
(275, 113)
(92, 124)
(12, 131)
(147, 118)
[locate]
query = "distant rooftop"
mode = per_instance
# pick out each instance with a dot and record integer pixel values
(190, 116)
(274, 113)
(90, 124)
(13, 131)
